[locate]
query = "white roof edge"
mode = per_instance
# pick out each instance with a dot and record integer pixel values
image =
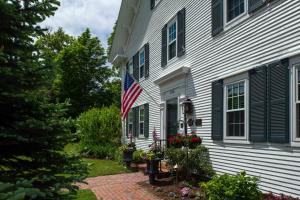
(126, 14)
(173, 74)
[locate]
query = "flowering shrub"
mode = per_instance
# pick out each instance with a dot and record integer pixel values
(271, 196)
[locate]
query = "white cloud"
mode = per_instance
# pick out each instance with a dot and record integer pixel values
(74, 16)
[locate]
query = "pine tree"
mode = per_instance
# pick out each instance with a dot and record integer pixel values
(33, 130)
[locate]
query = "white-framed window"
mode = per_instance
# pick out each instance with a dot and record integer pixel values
(234, 9)
(142, 63)
(236, 108)
(130, 67)
(141, 121)
(130, 122)
(172, 39)
(296, 102)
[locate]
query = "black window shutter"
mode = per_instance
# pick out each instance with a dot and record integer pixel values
(146, 60)
(135, 121)
(164, 46)
(217, 16)
(146, 122)
(258, 104)
(152, 4)
(181, 33)
(217, 110)
(136, 67)
(253, 5)
(278, 102)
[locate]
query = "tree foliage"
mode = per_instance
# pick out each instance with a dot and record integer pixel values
(33, 130)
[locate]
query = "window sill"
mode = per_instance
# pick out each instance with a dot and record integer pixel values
(295, 144)
(234, 22)
(236, 141)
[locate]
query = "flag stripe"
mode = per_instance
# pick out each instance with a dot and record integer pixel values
(126, 95)
(132, 91)
(131, 103)
(131, 95)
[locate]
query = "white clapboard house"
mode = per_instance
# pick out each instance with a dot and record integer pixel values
(239, 63)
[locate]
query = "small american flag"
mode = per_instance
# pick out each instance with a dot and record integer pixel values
(132, 91)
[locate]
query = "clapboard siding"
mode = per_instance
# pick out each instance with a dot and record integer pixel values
(270, 34)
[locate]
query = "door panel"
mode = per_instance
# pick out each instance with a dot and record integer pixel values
(172, 117)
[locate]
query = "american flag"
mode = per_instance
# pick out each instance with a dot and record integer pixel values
(132, 91)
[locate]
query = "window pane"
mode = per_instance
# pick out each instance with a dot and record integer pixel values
(172, 50)
(229, 90)
(142, 113)
(235, 89)
(142, 58)
(130, 117)
(235, 102)
(130, 126)
(241, 102)
(235, 8)
(230, 104)
(299, 75)
(142, 128)
(241, 89)
(236, 123)
(142, 71)
(172, 32)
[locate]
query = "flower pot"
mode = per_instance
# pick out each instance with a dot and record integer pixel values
(128, 157)
(151, 179)
(153, 168)
(147, 167)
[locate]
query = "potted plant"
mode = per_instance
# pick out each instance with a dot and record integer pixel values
(128, 150)
(152, 158)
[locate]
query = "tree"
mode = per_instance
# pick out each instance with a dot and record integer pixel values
(84, 74)
(33, 130)
(49, 46)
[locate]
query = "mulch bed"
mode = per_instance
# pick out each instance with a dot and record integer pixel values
(164, 187)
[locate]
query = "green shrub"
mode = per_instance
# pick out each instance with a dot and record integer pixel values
(118, 156)
(175, 156)
(99, 131)
(199, 161)
(137, 158)
(228, 187)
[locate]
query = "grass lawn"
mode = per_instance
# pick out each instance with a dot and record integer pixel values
(104, 167)
(84, 195)
(98, 167)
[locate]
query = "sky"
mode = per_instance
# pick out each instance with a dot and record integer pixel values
(74, 16)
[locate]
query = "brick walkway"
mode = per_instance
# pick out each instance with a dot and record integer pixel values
(119, 187)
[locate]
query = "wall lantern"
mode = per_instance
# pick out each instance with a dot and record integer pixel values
(187, 106)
